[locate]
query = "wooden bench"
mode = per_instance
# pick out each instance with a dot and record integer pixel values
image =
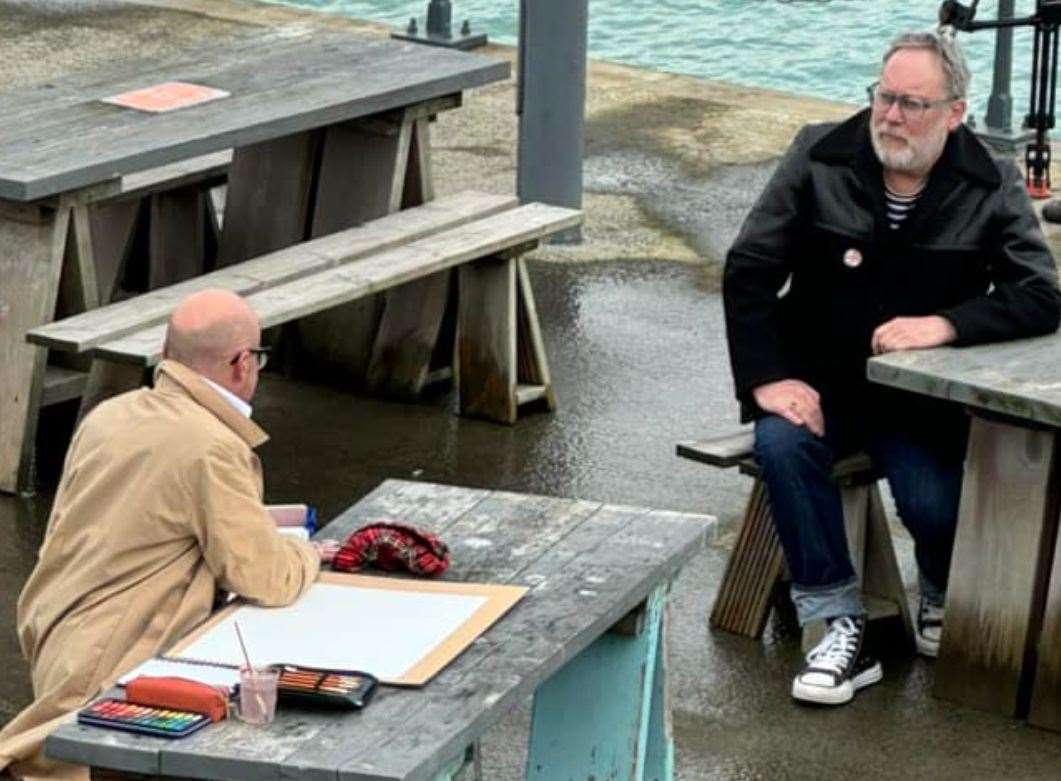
(501, 357)
(756, 567)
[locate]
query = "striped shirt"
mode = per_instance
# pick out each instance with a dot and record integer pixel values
(898, 207)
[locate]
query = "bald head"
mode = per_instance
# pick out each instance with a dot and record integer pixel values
(208, 329)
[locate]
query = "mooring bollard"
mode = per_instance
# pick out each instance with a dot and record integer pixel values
(439, 29)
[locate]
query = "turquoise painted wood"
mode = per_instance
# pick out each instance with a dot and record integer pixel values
(604, 715)
(659, 747)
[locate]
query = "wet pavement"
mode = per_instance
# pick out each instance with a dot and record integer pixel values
(637, 352)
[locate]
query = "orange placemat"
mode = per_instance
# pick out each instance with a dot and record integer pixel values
(166, 97)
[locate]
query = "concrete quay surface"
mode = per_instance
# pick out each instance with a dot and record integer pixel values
(633, 326)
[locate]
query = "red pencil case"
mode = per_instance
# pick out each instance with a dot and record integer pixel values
(178, 694)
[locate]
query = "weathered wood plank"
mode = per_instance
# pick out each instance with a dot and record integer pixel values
(535, 381)
(61, 384)
(724, 451)
(34, 242)
(276, 90)
(203, 171)
(883, 579)
(1046, 696)
(1017, 378)
(83, 261)
(83, 332)
(487, 340)
(431, 506)
(267, 203)
(290, 301)
(177, 242)
(411, 321)
(525, 394)
(362, 176)
(111, 228)
(999, 567)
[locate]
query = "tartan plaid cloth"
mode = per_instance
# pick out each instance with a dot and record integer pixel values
(393, 546)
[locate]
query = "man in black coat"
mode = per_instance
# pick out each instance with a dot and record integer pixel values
(894, 230)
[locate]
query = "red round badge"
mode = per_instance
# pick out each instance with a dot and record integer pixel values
(852, 258)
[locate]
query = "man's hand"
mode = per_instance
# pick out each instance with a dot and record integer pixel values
(326, 549)
(793, 400)
(912, 333)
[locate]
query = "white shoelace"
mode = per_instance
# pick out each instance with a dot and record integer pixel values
(837, 649)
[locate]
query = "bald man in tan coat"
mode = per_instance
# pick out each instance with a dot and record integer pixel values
(159, 507)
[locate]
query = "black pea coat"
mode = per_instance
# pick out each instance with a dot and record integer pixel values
(816, 267)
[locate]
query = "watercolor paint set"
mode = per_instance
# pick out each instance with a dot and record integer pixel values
(312, 686)
(143, 719)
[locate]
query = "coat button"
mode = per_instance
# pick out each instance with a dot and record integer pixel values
(852, 258)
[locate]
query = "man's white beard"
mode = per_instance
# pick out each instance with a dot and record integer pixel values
(916, 157)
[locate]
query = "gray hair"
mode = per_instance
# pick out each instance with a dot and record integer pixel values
(945, 47)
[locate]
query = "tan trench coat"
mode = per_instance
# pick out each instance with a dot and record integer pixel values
(160, 505)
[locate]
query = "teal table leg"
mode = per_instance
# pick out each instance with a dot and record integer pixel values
(659, 751)
(605, 714)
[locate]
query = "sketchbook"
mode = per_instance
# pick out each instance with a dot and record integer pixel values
(403, 631)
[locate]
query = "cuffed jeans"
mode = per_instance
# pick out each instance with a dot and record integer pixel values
(923, 466)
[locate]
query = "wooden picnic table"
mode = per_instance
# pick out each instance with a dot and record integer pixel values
(588, 641)
(1001, 645)
(328, 131)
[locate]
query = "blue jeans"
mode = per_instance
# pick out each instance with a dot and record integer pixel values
(923, 466)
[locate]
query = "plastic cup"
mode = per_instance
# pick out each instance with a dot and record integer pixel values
(257, 694)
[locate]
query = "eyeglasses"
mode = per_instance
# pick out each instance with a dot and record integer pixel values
(911, 108)
(261, 355)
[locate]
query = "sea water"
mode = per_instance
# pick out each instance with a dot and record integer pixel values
(825, 48)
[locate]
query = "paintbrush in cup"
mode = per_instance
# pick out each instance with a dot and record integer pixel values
(250, 667)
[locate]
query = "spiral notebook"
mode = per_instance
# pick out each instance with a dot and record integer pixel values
(402, 631)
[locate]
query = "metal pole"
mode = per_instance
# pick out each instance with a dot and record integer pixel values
(551, 103)
(439, 29)
(998, 121)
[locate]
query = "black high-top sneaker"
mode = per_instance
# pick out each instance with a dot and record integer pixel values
(929, 627)
(838, 666)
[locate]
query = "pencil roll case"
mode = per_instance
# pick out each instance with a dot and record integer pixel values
(178, 694)
(319, 687)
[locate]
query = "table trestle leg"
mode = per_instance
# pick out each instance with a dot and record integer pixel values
(178, 236)
(112, 227)
(606, 714)
(268, 202)
(501, 356)
(34, 238)
(414, 343)
(1046, 697)
(362, 177)
(993, 620)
